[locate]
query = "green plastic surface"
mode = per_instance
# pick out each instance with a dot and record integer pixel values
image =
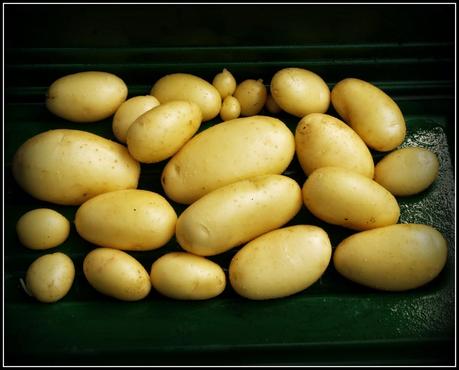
(408, 51)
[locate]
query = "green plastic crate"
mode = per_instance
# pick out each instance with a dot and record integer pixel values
(407, 50)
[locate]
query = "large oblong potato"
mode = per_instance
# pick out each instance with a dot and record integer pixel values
(322, 140)
(130, 219)
(69, 167)
(392, 258)
(372, 113)
(86, 96)
(227, 152)
(159, 133)
(237, 213)
(184, 86)
(281, 262)
(343, 197)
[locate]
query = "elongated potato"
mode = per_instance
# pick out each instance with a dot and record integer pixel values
(393, 258)
(407, 171)
(184, 86)
(281, 262)
(130, 219)
(225, 153)
(322, 140)
(86, 96)
(372, 113)
(237, 213)
(343, 197)
(159, 133)
(71, 166)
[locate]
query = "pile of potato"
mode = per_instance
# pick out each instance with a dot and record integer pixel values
(231, 178)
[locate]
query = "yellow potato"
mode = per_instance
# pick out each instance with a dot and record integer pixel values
(131, 219)
(86, 96)
(322, 140)
(300, 92)
(231, 109)
(227, 152)
(392, 258)
(184, 86)
(370, 112)
(116, 274)
(70, 166)
(251, 95)
(407, 171)
(237, 213)
(129, 111)
(50, 277)
(225, 83)
(271, 105)
(343, 197)
(281, 262)
(159, 133)
(184, 276)
(42, 228)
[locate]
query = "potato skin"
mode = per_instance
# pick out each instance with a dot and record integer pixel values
(343, 197)
(251, 95)
(231, 108)
(392, 258)
(237, 213)
(225, 83)
(227, 152)
(70, 166)
(86, 96)
(130, 219)
(281, 262)
(322, 141)
(372, 113)
(185, 276)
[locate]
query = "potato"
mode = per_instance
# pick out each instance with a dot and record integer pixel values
(343, 197)
(281, 262)
(130, 219)
(392, 258)
(128, 112)
(251, 95)
(159, 133)
(322, 140)
(70, 166)
(184, 276)
(237, 213)
(271, 105)
(231, 109)
(86, 96)
(225, 153)
(50, 277)
(407, 171)
(225, 83)
(370, 112)
(116, 274)
(300, 92)
(42, 228)
(184, 86)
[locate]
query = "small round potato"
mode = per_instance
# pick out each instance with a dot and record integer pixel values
(271, 105)
(50, 277)
(281, 262)
(251, 95)
(225, 83)
(392, 258)
(86, 96)
(129, 111)
(231, 109)
(159, 133)
(370, 112)
(322, 141)
(343, 197)
(407, 171)
(300, 92)
(42, 228)
(184, 276)
(116, 274)
(184, 86)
